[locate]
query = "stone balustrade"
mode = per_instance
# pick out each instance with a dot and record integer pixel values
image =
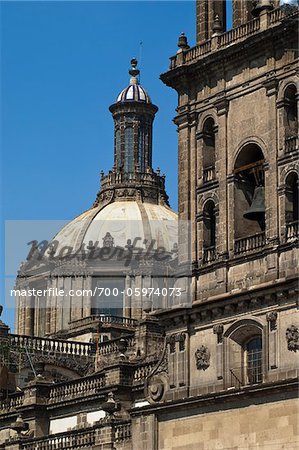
(80, 439)
(46, 345)
(275, 16)
(209, 254)
(142, 371)
(107, 320)
(292, 231)
(150, 179)
(77, 388)
(239, 33)
(250, 243)
(114, 345)
(122, 432)
(291, 144)
(230, 37)
(71, 440)
(11, 403)
(209, 174)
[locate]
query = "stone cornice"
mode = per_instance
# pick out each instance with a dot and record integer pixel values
(268, 390)
(231, 303)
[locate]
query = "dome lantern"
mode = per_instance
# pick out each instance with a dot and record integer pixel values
(133, 114)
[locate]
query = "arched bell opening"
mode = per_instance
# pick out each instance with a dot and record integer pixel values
(249, 192)
(209, 231)
(209, 139)
(291, 206)
(291, 213)
(291, 112)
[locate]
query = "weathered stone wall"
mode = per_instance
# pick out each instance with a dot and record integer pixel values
(269, 426)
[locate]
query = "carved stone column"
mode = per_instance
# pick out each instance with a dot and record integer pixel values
(218, 330)
(273, 338)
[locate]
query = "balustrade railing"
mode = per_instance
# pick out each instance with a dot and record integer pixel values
(122, 432)
(199, 50)
(12, 402)
(146, 178)
(114, 345)
(209, 174)
(78, 439)
(124, 321)
(77, 388)
(238, 33)
(142, 372)
(209, 254)
(71, 440)
(46, 345)
(227, 38)
(292, 230)
(275, 16)
(249, 243)
(291, 144)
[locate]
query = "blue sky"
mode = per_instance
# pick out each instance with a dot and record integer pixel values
(62, 66)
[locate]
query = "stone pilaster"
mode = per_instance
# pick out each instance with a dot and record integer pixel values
(271, 181)
(273, 339)
(222, 237)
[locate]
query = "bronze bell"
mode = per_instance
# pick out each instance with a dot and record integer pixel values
(257, 207)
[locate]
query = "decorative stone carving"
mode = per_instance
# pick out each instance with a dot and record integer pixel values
(156, 387)
(218, 329)
(108, 240)
(292, 336)
(173, 338)
(272, 319)
(157, 382)
(202, 356)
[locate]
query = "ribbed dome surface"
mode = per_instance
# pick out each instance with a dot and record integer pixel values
(134, 93)
(123, 220)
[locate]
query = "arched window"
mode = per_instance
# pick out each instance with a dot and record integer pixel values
(209, 231)
(292, 197)
(129, 150)
(291, 206)
(208, 156)
(249, 199)
(245, 353)
(290, 118)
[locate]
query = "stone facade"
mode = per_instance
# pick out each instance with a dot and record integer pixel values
(222, 373)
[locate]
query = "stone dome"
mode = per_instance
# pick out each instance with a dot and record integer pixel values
(122, 220)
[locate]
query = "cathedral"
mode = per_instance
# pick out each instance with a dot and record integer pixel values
(141, 329)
